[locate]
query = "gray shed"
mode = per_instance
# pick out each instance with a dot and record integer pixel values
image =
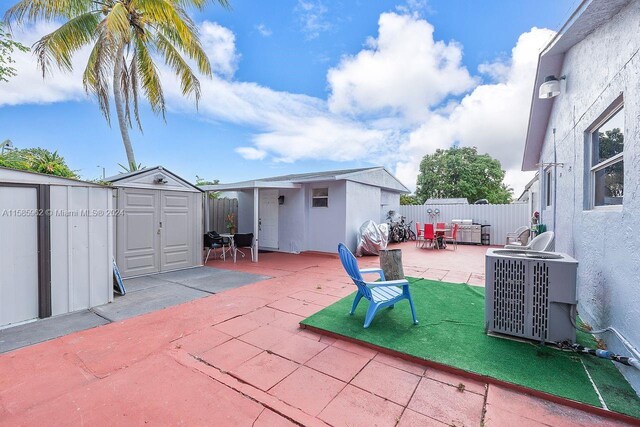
(159, 226)
(56, 236)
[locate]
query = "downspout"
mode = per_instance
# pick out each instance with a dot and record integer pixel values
(555, 180)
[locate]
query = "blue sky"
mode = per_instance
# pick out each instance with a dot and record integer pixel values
(308, 85)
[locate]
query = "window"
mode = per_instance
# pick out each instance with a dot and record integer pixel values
(607, 162)
(547, 178)
(320, 198)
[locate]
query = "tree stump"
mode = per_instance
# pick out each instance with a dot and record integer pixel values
(391, 264)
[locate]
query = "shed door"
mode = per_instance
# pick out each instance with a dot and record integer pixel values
(138, 237)
(177, 222)
(268, 221)
(19, 258)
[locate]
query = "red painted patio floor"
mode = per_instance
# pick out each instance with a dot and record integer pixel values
(239, 358)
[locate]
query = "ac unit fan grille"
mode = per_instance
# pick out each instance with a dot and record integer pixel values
(540, 301)
(509, 309)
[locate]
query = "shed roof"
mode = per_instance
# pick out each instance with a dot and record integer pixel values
(30, 177)
(131, 178)
(589, 15)
(451, 201)
(376, 176)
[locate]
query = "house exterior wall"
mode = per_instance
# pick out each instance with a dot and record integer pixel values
(389, 200)
(326, 226)
(363, 203)
(606, 242)
(292, 221)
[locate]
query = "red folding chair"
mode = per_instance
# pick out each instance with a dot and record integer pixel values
(429, 234)
(419, 235)
(453, 238)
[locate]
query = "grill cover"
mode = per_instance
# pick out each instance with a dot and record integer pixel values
(372, 238)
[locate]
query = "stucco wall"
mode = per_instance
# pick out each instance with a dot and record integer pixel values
(326, 226)
(363, 203)
(292, 218)
(606, 243)
(389, 200)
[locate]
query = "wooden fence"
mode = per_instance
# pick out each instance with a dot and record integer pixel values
(218, 210)
(502, 218)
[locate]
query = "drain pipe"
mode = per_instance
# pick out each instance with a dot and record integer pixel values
(555, 180)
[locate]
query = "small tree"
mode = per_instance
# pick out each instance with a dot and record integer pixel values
(37, 160)
(409, 199)
(7, 47)
(462, 173)
(201, 181)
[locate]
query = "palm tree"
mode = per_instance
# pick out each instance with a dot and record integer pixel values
(124, 34)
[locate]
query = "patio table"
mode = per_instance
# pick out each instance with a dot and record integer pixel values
(233, 244)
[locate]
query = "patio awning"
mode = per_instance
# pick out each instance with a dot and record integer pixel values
(249, 185)
(255, 186)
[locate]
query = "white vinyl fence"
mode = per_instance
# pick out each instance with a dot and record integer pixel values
(502, 218)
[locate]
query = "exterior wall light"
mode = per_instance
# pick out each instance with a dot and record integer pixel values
(551, 87)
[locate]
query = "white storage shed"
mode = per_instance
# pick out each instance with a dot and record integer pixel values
(160, 223)
(56, 236)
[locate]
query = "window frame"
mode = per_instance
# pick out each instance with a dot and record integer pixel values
(314, 197)
(616, 107)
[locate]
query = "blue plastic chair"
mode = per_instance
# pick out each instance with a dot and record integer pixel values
(384, 293)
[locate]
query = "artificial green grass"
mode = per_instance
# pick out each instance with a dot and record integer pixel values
(452, 332)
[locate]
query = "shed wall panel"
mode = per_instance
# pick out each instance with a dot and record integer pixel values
(81, 248)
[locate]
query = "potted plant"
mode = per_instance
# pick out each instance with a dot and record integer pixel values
(231, 223)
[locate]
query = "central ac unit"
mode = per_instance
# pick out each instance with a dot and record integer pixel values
(530, 294)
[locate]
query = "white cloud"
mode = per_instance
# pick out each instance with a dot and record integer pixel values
(220, 45)
(312, 17)
(28, 86)
(390, 104)
(264, 30)
(403, 71)
(251, 153)
(414, 7)
(493, 117)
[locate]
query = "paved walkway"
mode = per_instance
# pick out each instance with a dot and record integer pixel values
(239, 358)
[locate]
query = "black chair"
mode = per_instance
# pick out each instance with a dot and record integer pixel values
(213, 241)
(244, 240)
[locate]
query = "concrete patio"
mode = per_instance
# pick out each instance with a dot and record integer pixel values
(239, 358)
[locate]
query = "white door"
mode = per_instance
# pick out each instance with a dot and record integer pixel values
(176, 230)
(138, 237)
(268, 221)
(19, 257)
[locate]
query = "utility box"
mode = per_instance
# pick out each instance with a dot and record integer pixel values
(530, 294)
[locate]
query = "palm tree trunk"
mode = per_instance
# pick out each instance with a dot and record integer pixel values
(122, 121)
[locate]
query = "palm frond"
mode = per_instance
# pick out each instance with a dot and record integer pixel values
(191, 46)
(60, 45)
(133, 71)
(96, 74)
(48, 10)
(188, 81)
(149, 79)
(200, 4)
(117, 25)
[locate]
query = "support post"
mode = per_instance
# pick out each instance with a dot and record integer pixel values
(256, 222)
